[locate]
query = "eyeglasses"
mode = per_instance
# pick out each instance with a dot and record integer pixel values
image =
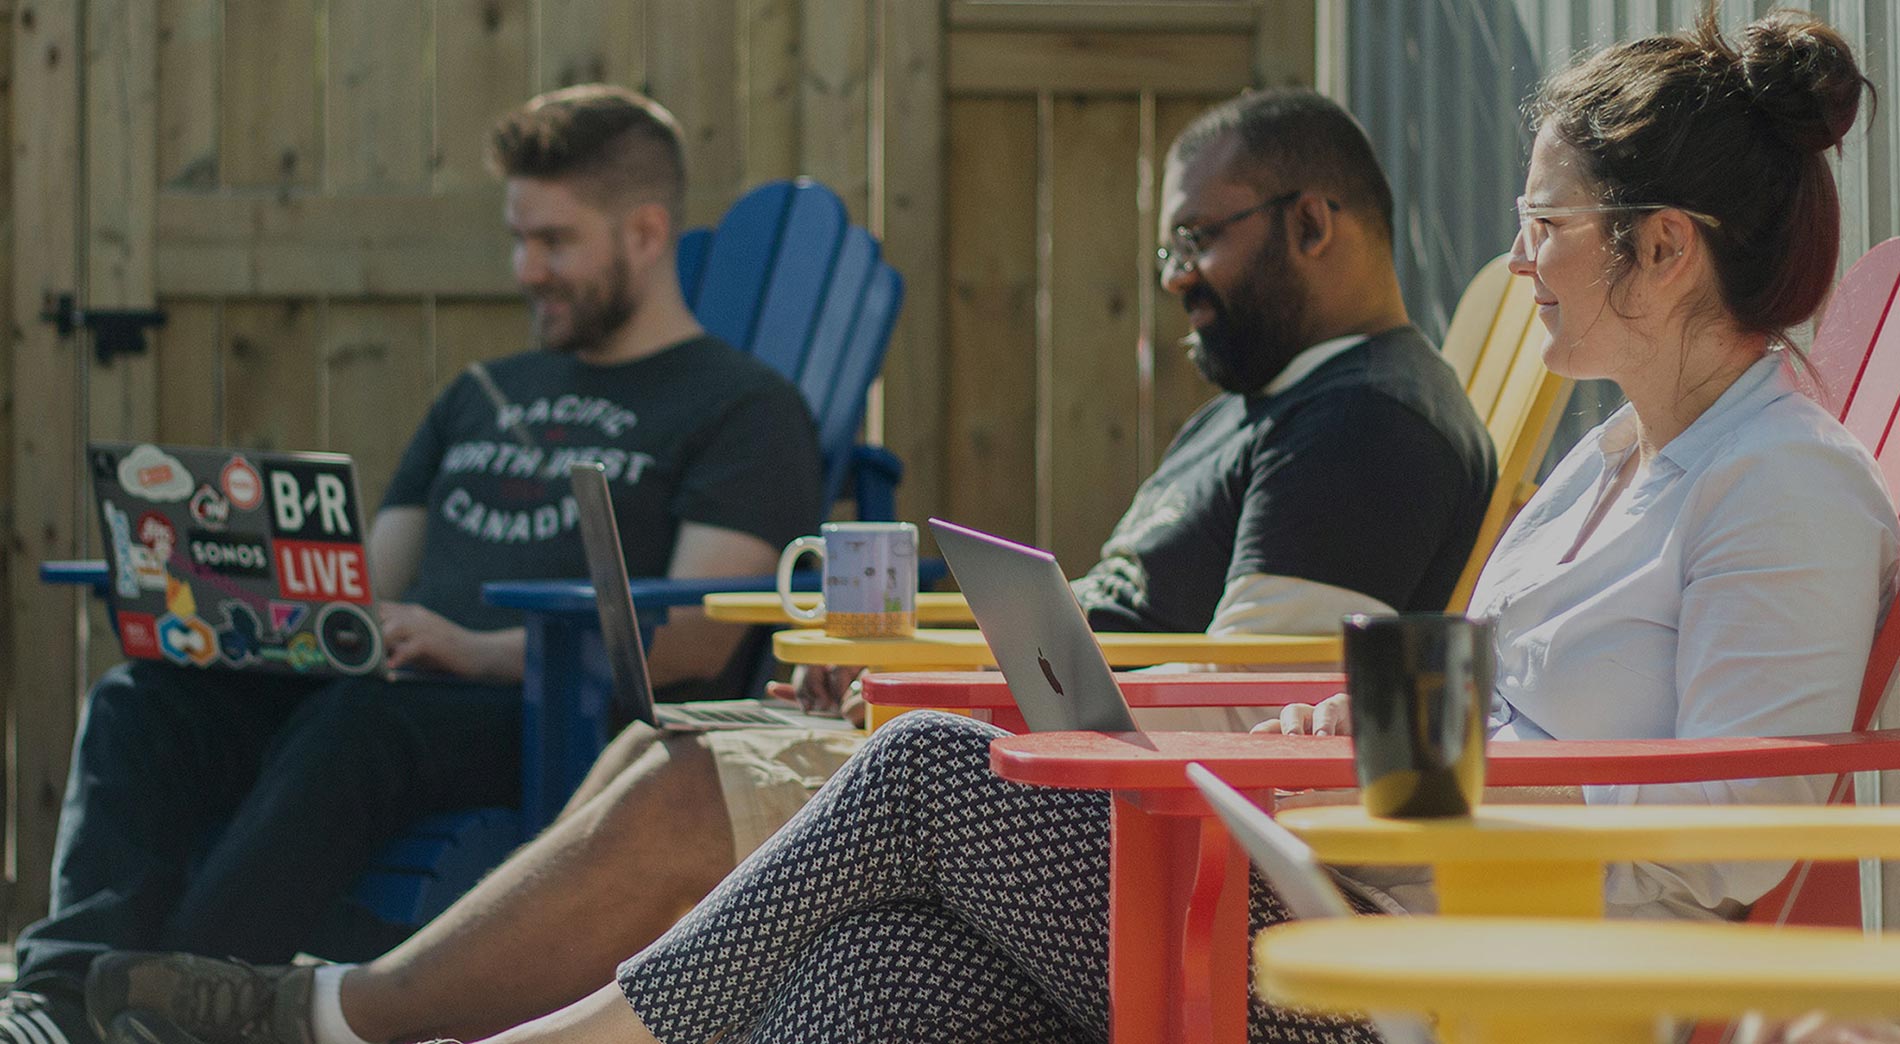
(1530, 219)
(1186, 243)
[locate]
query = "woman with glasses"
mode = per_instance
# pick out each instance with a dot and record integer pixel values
(1684, 570)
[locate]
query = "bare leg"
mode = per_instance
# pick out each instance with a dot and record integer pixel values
(601, 1017)
(605, 880)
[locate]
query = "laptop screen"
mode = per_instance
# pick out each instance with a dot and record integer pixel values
(244, 560)
(1036, 631)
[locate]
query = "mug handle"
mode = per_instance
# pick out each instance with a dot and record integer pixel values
(786, 560)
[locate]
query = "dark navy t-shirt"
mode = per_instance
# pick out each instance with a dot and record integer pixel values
(698, 432)
(1372, 473)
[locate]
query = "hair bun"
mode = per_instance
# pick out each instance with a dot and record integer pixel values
(1803, 78)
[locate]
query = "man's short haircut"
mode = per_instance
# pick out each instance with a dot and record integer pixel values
(620, 148)
(1292, 138)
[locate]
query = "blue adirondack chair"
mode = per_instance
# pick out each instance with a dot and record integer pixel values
(785, 277)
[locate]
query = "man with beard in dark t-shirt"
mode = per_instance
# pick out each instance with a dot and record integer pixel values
(1342, 469)
(224, 813)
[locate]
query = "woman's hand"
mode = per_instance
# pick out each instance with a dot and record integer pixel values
(1330, 717)
(819, 690)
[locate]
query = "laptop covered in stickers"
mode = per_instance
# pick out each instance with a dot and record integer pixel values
(243, 560)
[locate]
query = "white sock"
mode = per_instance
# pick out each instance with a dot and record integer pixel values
(327, 1023)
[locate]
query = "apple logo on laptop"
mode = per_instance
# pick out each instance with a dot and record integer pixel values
(1048, 672)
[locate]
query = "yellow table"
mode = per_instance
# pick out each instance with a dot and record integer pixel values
(1548, 860)
(1513, 980)
(762, 607)
(938, 649)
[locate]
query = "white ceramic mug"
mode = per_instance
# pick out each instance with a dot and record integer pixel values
(870, 579)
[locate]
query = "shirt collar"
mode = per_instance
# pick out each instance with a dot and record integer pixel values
(1762, 383)
(1310, 359)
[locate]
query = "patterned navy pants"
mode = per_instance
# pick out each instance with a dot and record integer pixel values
(916, 898)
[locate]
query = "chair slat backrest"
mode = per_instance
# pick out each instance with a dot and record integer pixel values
(759, 282)
(1854, 368)
(1856, 362)
(813, 229)
(863, 357)
(1856, 313)
(690, 260)
(787, 278)
(1510, 388)
(1473, 318)
(858, 257)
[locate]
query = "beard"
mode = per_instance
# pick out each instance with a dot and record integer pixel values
(596, 310)
(1256, 329)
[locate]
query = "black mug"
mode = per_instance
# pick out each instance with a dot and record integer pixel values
(1421, 694)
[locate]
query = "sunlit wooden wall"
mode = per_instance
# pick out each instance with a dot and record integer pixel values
(298, 183)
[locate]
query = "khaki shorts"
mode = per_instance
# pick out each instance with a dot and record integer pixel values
(767, 775)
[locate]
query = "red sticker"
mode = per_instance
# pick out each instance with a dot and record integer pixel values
(242, 484)
(138, 632)
(315, 571)
(156, 532)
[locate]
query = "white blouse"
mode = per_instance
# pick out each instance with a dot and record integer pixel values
(1732, 589)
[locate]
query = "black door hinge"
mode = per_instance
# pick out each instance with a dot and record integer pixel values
(115, 331)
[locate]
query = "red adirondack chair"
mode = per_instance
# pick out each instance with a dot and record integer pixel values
(1178, 946)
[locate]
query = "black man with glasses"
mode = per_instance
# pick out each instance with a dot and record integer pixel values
(1344, 469)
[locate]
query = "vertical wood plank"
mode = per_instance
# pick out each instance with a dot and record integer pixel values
(484, 66)
(7, 394)
(1286, 50)
(769, 69)
(1179, 388)
(692, 69)
(187, 348)
(469, 330)
(46, 453)
(188, 32)
(269, 130)
(912, 164)
(990, 355)
(376, 370)
(121, 109)
(590, 41)
(834, 98)
(121, 185)
(271, 375)
(1094, 321)
(376, 127)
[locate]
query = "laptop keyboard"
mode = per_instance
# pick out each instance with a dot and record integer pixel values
(729, 716)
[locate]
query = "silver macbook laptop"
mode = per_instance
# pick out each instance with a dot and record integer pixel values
(1303, 885)
(1037, 632)
(626, 653)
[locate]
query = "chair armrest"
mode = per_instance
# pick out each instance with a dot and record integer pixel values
(79, 573)
(985, 690)
(1158, 761)
(560, 598)
(663, 592)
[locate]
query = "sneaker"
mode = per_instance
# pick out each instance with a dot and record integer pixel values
(211, 1001)
(38, 1018)
(144, 1027)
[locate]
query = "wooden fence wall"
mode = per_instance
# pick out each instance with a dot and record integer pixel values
(298, 183)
